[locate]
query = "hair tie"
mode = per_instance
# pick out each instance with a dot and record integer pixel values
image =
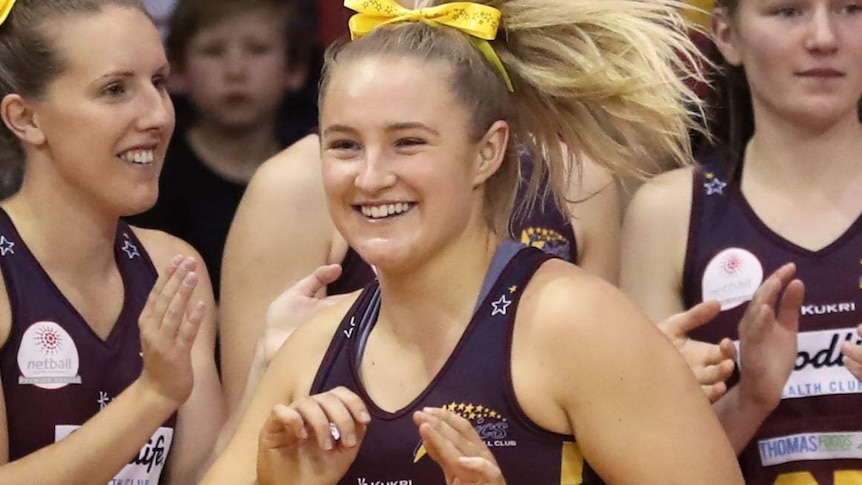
(5, 8)
(478, 21)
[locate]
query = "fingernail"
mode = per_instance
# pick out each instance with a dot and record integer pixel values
(350, 440)
(303, 434)
(190, 279)
(327, 444)
(364, 417)
(177, 260)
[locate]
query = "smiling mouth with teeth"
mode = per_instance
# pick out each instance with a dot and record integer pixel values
(138, 157)
(385, 210)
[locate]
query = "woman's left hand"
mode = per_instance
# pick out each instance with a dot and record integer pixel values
(452, 442)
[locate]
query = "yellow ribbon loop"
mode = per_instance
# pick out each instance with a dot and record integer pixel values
(479, 21)
(5, 8)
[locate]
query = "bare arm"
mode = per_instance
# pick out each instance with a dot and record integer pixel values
(288, 378)
(618, 385)
(201, 417)
(280, 233)
(654, 239)
(655, 236)
(597, 220)
(107, 442)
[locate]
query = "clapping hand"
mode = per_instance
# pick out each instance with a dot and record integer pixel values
(452, 442)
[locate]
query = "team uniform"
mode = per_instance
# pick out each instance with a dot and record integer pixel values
(814, 436)
(57, 373)
(475, 383)
(544, 227)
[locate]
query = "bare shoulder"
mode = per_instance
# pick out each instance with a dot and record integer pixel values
(162, 247)
(569, 324)
(303, 352)
(289, 172)
(564, 300)
(666, 196)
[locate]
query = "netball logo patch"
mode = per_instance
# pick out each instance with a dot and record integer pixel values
(48, 357)
(731, 277)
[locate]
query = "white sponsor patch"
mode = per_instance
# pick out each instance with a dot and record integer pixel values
(144, 469)
(810, 446)
(731, 277)
(820, 366)
(48, 357)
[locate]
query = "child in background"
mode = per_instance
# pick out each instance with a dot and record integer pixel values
(235, 60)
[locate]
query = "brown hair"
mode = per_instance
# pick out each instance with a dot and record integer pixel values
(600, 78)
(191, 16)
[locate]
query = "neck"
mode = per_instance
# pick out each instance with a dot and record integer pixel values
(804, 159)
(65, 233)
(233, 153)
(438, 295)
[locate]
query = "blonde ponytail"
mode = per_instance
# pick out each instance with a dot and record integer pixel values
(608, 78)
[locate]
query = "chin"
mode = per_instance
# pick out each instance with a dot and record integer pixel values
(382, 254)
(137, 205)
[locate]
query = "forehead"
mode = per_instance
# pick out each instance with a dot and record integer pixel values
(261, 21)
(116, 38)
(392, 89)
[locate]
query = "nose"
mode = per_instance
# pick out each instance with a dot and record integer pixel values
(157, 110)
(821, 36)
(375, 173)
(235, 63)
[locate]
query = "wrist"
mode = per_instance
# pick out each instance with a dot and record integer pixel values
(753, 400)
(145, 391)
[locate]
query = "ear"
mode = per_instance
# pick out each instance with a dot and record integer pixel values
(19, 117)
(724, 35)
(492, 152)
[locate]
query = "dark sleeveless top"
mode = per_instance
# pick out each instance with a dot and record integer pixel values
(814, 436)
(544, 227)
(57, 373)
(475, 383)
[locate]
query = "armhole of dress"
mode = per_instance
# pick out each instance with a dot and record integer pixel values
(694, 219)
(9, 281)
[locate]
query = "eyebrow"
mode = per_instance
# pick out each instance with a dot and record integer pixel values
(406, 125)
(163, 69)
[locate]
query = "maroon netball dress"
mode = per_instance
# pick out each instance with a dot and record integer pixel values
(814, 436)
(57, 373)
(475, 383)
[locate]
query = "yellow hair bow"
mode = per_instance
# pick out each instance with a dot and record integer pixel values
(478, 21)
(5, 8)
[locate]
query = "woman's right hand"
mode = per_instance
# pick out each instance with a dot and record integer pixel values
(313, 441)
(712, 364)
(168, 326)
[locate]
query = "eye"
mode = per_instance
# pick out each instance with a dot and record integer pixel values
(160, 81)
(114, 90)
(342, 145)
(851, 9)
(787, 11)
(408, 142)
(258, 48)
(211, 50)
